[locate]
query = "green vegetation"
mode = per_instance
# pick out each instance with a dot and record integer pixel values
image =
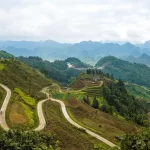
(27, 99)
(120, 102)
(18, 75)
(69, 136)
(67, 95)
(129, 72)
(136, 141)
(27, 140)
(57, 70)
(21, 114)
(139, 92)
(112, 97)
(26, 85)
(76, 63)
(2, 96)
(97, 121)
(29, 114)
(5, 55)
(2, 66)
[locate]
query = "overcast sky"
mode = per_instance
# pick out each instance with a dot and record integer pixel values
(75, 20)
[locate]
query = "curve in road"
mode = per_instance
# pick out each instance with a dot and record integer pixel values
(42, 122)
(65, 113)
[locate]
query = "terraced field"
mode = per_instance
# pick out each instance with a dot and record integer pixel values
(93, 91)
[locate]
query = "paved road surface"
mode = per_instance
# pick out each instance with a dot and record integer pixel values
(4, 107)
(42, 122)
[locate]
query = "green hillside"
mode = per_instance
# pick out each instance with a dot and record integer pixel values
(16, 74)
(129, 72)
(139, 92)
(103, 93)
(76, 63)
(26, 85)
(57, 70)
(5, 55)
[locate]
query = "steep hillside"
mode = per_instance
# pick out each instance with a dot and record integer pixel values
(15, 74)
(57, 70)
(25, 84)
(139, 92)
(130, 72)
(103, 93)
(5, 55)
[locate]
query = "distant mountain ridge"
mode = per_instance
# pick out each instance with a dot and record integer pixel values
(85, 50)
(129, 72)
(143, 59)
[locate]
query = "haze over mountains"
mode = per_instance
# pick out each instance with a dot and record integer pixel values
(85, 50)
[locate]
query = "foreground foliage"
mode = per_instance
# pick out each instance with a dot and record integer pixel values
(136, 142)
(27, 140)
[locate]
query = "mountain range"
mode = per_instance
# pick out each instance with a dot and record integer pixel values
(87, 51)
(143, 59)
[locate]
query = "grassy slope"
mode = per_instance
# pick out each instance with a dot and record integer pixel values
(2, 96)
(106, 125)
(69, 136)
(18, 75)
(130, 72)
(139, 91)
(20, 112)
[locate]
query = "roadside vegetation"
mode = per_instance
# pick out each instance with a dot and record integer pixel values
(27, 140)
(2, 96)
(69, 136)
(21, 113)
(136, 141)
(26, 85)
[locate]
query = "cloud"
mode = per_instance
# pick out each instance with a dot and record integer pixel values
(75, 20)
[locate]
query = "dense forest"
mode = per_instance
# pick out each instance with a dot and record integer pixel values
(130, 72)
(57, 70)
(119, 101)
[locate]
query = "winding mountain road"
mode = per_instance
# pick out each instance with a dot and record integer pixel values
(42, 122)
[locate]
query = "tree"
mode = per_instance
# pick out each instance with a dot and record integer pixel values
(86, 100)
(95, 103)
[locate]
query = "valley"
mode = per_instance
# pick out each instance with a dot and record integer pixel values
(91, 110)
